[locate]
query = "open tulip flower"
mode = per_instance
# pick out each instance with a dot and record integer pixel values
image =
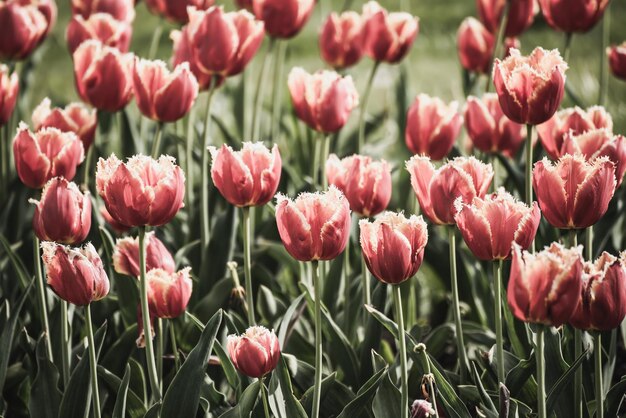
(388, 36)
(475, 45)
(117, 227)
(75, 117)
(176, 10)
(574, 193)
(520, 16)
(9, 88)
(341, 39)
(24, 26)
(283, 18)
(573, 15)
(255, 353)
(617, 60)
(123, 10)
(168, 292)
(100, 26)
(126, 256)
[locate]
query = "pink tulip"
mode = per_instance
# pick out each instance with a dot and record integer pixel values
(244, 4)
(123, 10)
(126, 256)
(475, 45)
(422, 409)
(47, 8)
(254, 353)
(115, 225)
(168, 292)
(388, 36)
(176, 10)
(100, 26)
(9, 89)
(617, 60)
(573, 15)
(75, 117)
(521, 15)
(283, 18)
(341, 39)
(23, 28)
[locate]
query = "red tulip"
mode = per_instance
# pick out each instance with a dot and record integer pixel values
(248, 177)
(573, 15)
(323, 100)
(341, 39)
(283, 18)
(142, 191)
(574, 193)
(103, 75)
(365, 183)
(617, 60)
(115, 225)
(24, 27)
(314, 226)
(63, 214)
(488, 128)
(75, 117)
(544, 287)
(163, 95)
(254, 353)
(438, 189)
(475, 45)
(9, 89)
(432, 126)
(176, 10)
(422, 409)
(46, 7)
(76, 275)
(393, 246)
(100, 26)
(168, 292)
(574, 120)
(123, 10)
(520, 17)
(490, 225)
(530, 89)
(388, 36)
(46, 154)
(126, 256)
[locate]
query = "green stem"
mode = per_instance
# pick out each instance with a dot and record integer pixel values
(204, 188)
(93, 363)
(318, 341)
(573, 238)
(497, 278)
(497, 49)
(463, 363)
(156, 143)
(496, 168)
(597, 356)
(404, 378)
(159, 352)
(578, 376)
(529, 165)
(191, 134)
(346, 290)
(363, 110)
(65, 344)
(156, 37)
(260, 92)
(604, 76)
(325, 153)
(41, 296)
(172, 333)
(568, 46)
(278, 90)
(316, 162)
(3, 162)
(266, 408)
(87, 171)
(247, 238)
(541, 373)
(365, 280)
(589, 243)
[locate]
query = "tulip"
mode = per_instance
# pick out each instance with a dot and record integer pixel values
(63, 214)
(475, 45)
(422, 409)
(103, 75)
(75, 117)
(254, 353)
(24, 27)
(168, 292)
(365, 183)
(244, 4)
(283, 18)
(126, 256)
(323, 100)
(176, 10)
(100, 26)
(47, 8)
(438, 189)
(9, 88)
(162, 95)
(432, 126)
(617, 60)
(574, 193)
(573, 15)
(46, 154)
(76, 275)
(520, 16)
(123, 10)
(115, 225)
(388, 36)
(143, 191)
(341, 39)
(488, 128)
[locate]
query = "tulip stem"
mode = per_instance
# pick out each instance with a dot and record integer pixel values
(597, 356)
(41, 293)
(172, 333)
(346, 290)
(497, 49)
(404, 388)
(318, 341)
(156, 143)
(578, 375)
(365, 277)
(145, 314)
(247, 237)
(65, 344)
(541, 373)
(463, 363)
(93, 363)
(316, 162)
(191, 133)
(496, 166)
(604, 76)
(589, 243)
(260, 92)
(156, 37)
(529, 169)
(366, 95)
(266, 408)
(204, 189)
(87, 166)
(159, 351)
(277, 87)
(497, 278)
(568, 46)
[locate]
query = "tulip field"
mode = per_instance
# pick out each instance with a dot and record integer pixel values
(301, 208)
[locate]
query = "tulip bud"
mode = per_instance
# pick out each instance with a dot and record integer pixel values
(438, 189)
(99, 26)
(574, 193)
(393, 246)
(182, 53)
(475, 45)
(520, 16)
(160, 94)
(341, 39)
(9, 88)
(63, 214)
(492, 224)
(123, 10)
(168, 292)
(388, 36)
(45, 154)
(76, 275)
(323, 100)
(432, 126)
(115, 225)
(283, 18)
(254, 353)
(126, 256)
(314, 226)
(365, 183)
(176, 10)
(75, 117)
(248, 177)
(157, 188)
(530, 88)
(573, 15)
(24, 27)
(544, 287)
(617, 60)
(422, 409)
(488, 128)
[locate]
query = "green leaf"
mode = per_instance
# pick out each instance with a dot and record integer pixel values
(120, 402)
(360, 405)
(16, 261)
(564, 381)
(281, 397)
(246, 403)
(486, 401)
(615, 398)
(116, 358)
(45, 397)
(221, 249)
(387, 402)
(334, 396)
(284, 325)
(227, 365)
(133, 404)
(384, 320)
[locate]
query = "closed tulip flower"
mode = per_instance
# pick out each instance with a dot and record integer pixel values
(45, 154)
(530, 88)
(474, 45)
(492, 224)
(100, 26)
(24, 27)
(176, 10)
(573, 15)
(438, 189)
(63, 214)
(75, 117)
(488, 128)
(314, 226)
(248, 177)
(341, 39)
(388, 37)
(521, 15)
(163, 95)
(574, 193)
(123, 10)
(142, 191)
(323, 100)
(393, 246)
(283, 18)
(617, 60)
(432, 126)
(254, 353)
(544, 287)
(168, 292)
(103, 75)
(365, 183)
(126, 256)
(9, 88)
(76, 275)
